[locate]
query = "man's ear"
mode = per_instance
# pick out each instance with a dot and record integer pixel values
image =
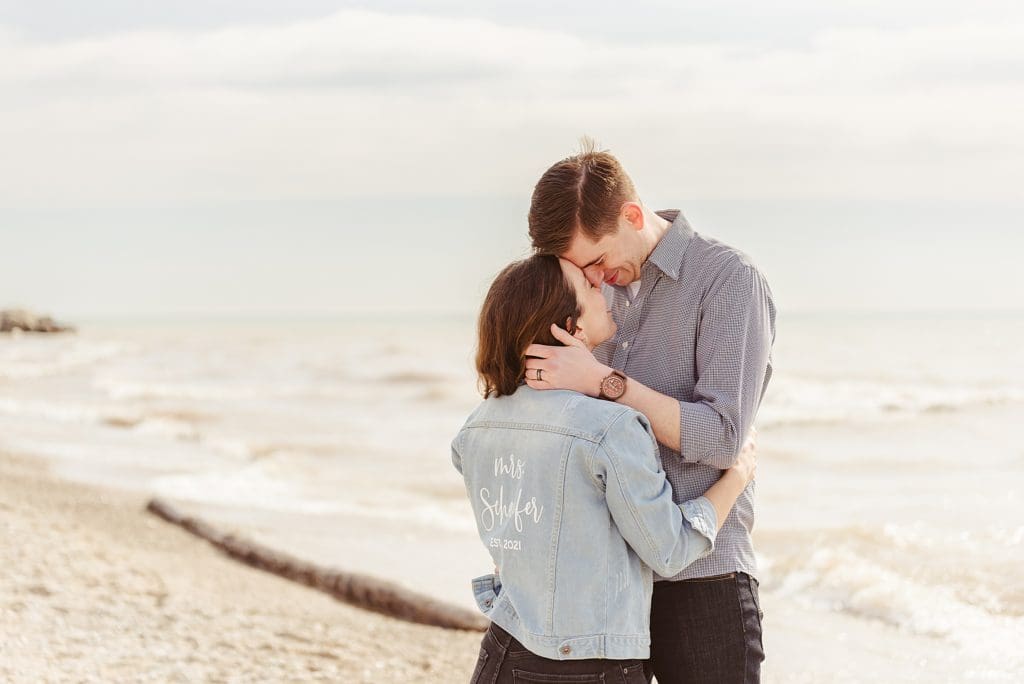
(633, 214)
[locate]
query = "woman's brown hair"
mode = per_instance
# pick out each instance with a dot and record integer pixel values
(524, 300)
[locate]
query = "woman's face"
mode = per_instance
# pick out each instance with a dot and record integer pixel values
(595, 324)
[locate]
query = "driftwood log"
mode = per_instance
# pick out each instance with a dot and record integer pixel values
(363, 591)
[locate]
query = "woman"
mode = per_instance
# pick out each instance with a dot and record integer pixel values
(569, 497)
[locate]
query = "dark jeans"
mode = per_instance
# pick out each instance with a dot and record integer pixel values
(503, 660)
(706, 630)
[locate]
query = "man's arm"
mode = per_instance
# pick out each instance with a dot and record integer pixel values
(732, 355)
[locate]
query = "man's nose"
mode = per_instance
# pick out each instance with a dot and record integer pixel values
(595, 275)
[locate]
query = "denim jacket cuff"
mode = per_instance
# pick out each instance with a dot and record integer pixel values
(702, 518)
(485, 591)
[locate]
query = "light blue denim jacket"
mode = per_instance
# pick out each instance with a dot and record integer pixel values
(571, 501)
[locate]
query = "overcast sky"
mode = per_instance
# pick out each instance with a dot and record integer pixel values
(321, 157)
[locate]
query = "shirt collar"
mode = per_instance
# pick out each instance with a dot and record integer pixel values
(668, 253)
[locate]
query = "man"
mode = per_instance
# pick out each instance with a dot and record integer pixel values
(696, 323)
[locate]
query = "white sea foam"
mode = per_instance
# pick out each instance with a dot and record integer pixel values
(61, 411)
(255, 486)
(168, 427)
(944, 584)
(194, 391)
(244, 488)
(30, 357)
(796, 400)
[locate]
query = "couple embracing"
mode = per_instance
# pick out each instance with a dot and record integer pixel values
(610, 466)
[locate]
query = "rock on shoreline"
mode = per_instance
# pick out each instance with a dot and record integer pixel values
(22, 319)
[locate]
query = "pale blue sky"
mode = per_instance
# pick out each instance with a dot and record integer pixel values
(306, 158)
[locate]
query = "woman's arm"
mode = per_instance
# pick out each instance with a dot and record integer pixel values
(666, 536)
(734, 480)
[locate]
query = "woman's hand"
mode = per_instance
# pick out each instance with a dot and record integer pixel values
(746, 463)
(734, 480)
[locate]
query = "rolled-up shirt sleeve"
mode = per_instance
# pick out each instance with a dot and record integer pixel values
(666, 536)
(733, 363)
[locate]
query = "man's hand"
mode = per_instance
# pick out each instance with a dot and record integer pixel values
(570, 367)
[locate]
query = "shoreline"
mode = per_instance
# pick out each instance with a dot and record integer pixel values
(94, 588)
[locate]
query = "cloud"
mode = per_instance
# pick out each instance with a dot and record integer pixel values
(360, 103)
(350, 46)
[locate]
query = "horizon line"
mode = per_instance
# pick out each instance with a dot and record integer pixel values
(355, 314)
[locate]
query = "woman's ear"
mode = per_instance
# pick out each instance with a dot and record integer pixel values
(579, 334)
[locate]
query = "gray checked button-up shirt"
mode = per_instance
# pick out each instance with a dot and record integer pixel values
(700, 329)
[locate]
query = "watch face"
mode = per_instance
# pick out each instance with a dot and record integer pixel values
(613, 386)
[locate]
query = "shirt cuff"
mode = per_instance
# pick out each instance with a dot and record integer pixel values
(700, 431)
(702, 518)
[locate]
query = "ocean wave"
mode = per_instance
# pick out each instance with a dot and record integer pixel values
(287, 449)
(121, 390)
(954, 585)
(173, 425)
(801, 401)
(65, 412)
(254, 486)
(167, 426)
(31, 359)
(176, 424)
(413, 377)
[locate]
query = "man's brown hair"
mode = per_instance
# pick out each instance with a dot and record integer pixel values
(523, 302)
(585, 192)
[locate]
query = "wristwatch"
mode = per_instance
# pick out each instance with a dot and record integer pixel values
(613, 386)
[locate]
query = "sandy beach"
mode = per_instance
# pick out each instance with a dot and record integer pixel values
(875, 565)
(93, 588)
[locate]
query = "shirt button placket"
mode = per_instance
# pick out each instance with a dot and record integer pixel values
(629, 328)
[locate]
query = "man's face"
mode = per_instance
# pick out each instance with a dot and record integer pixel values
(614, 259)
